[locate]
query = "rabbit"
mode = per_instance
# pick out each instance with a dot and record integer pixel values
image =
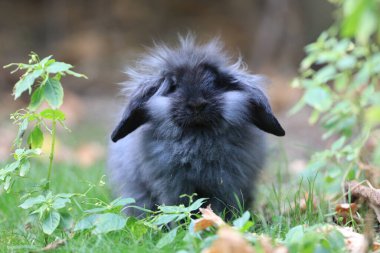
(194, 123)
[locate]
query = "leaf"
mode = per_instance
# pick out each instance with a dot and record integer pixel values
(37, 98)
(70, 72)
(60, 203)
(26, 82)
(167, 239)
(56, 67)
(102, 223)
(54, 245)
(53, 92)
(196, 204)
(28, 203)
(347, 62)
(173, 209)
(45, 60)
(86, 223)
(122, 202)
(209, 218)
(24, 168)
(7, 183)
(165, 219)
(52, 114)
(96, 210)
(240, 222)
(51, 222)
(370, 194)
(10, 168)
(22, 127)
(109, 222)
(318, 98)
(325, 74)
(231, 241)
(338, 144)
(294, 235)
(36, 138)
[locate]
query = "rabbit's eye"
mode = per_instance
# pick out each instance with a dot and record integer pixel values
(172, 84)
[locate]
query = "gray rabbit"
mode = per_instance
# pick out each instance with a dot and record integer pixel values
(194, 124)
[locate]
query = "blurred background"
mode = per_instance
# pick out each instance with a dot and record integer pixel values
(101, 37)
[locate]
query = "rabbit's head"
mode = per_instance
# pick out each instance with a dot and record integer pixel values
(194, 88)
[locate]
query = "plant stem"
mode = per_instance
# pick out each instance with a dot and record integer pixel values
(51, 156)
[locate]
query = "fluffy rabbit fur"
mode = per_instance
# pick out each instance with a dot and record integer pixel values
(194, 123)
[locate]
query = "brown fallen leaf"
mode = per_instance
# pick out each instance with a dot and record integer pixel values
(346, 211)
(376, 246)
(53, 245)
(370, 194)
(229, 241)
(209, 218)
(355, 242)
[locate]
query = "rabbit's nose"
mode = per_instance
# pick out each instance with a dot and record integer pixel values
(197, 104)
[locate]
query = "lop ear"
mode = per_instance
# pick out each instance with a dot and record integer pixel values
(134, 116)
(261, 114)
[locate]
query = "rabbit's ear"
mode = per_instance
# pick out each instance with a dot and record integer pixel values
(261, 114)
(134, 116)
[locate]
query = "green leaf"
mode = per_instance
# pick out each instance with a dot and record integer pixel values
(36, 138)
(28, 203)
(24, 168)
(86, 223)
(26, 82)
(325, 74)
(7, 183)
(10, 167)
(36, 99)
(52, 114)
(96, 210)
(347, 62)
(319, 98)
(53, 92)
(102, 223)
(173, 209)
(294, 235)
(108, 222)
(70, 72)
(240, 222)
(165, 219)
(60, 203)
(122, 202)
(196, 204)
(372, 116)
(167, 239)
(58, 67)
(338, 144)
(45, 60)
(51, 222)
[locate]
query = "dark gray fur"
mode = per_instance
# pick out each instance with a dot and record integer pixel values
(191, 125)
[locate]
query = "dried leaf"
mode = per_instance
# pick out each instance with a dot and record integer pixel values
(371, 195)
(355, 242)
(209, 218)
(346, 211)
(54, 245)
(229, 241)
(202, 224)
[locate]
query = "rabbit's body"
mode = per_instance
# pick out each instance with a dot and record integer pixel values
(188, 129)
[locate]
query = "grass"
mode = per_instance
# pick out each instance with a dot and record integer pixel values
(277, 210)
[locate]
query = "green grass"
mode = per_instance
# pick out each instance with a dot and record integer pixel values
(275, 213)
